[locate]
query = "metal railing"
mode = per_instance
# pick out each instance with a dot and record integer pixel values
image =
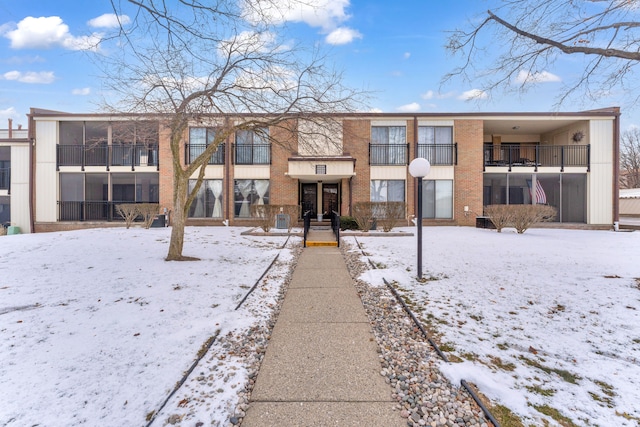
(5, 178)
(252, 154)
(307, 225)
(192, 151)
(439, 154)
(388, 154)
(91, 211)
(538, 155)
(335, 225)
(107, 155)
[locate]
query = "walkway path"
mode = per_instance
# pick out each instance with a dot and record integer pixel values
(321, 367)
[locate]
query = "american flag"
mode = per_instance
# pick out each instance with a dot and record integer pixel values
(541, 196)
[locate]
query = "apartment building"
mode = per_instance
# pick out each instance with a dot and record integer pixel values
(85, 164)
(15, 151)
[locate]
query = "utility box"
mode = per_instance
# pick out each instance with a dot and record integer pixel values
(159, 221)
(282, 221)
(12, 229)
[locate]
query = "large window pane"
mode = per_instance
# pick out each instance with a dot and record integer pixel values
(96, 187)
(495, 189)
(248, 192)
(5, 209)
(71, 133)
(437, 199)
(123, 187)
(147, 187)
(71, 187)
(208, 202)
(387, 190)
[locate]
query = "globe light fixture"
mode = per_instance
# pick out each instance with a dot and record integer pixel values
(419, 168)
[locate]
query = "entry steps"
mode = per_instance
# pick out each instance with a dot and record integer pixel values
(321, 237)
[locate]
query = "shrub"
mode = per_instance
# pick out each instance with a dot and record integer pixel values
(363, 214)
(148, 211)
(521, 217)
(266, 215)
(128, 212)
(389, 214)
(348, 223)
(500, 215)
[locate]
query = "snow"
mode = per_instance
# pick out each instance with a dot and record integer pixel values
(546, 301)
(97, 329)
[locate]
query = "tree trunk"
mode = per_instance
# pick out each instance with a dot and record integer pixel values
(178, 218)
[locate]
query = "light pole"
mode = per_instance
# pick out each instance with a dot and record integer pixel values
(419, 168)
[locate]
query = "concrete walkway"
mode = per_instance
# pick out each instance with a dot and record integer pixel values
(321, 367)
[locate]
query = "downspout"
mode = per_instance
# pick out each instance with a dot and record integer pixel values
(616, 170)
(32, 142)
(227, 176)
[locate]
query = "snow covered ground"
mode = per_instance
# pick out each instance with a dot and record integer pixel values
(543, 321)
(97, 329)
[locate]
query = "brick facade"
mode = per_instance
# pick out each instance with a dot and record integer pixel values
(468, 173)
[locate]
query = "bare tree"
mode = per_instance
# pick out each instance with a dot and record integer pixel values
(630, 159)
(523, 39)
(219, 64)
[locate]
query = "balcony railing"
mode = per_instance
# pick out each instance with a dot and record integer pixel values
(5, 178)
(439, 154)
(388, 154)
(90, 211)
(537, 155)
(107, 155)
(252, 154)
(192, 151)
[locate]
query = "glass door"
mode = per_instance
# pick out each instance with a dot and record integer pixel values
(309, 198)
(330, 199)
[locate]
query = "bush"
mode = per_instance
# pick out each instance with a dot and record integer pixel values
(348, 223)
(389, 214)
(148, 211)
(363, 214)
(266, 215)
(128, 212)
(521, 217)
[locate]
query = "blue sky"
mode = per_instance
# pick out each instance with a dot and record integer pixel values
(393, 48)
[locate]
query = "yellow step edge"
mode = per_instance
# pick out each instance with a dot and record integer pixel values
(322, 243)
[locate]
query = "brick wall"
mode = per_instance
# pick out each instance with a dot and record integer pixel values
(283, 189)
(356, 137)
(468, 173)
(165, 168)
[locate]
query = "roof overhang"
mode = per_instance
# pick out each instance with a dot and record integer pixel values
(321, 168)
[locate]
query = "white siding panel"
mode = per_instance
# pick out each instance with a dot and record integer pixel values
(600, 187)
(46, 174)
(251, 172)
(388, 172)
(441, 172)
(20, 188)
(210, 172)
(435, 122)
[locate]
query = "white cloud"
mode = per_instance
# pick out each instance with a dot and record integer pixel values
(375, 110)
(48, 32)
(407, 55)
(19, 60)
(342, 35)
(540, 77)
(428, 95)
(473, 94)
(81, 91)
(40, 77)
(436, 95)
(9, 113)
(327, 15)
(409, 108)
(109, 20)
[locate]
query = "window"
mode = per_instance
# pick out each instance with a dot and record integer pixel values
(437, 199)
(435, 143)
(248, 192)
(388, 145)
(208, 202)
(5, 210)
(199, 139)
(387, 190)
(252, 147)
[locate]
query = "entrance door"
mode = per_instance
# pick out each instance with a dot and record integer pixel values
(330, 198)
(309, 198)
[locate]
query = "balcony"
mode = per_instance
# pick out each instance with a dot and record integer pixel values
(439, 154)
(90, 211)
(521, 155)
(388, 154)
(107, 155)
(252, 154)
(192, 151)
(5, 178)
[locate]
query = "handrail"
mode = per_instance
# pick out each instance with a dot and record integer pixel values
(307, 225)
(335, 225)
(535, 155)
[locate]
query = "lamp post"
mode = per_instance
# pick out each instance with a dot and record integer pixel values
(419, 168)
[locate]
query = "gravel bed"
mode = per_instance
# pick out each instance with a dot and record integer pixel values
(409, 364)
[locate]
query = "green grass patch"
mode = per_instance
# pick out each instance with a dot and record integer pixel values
(541, 391)
(565, 375)
(498, 363)
(502, 346)
(555, 414)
